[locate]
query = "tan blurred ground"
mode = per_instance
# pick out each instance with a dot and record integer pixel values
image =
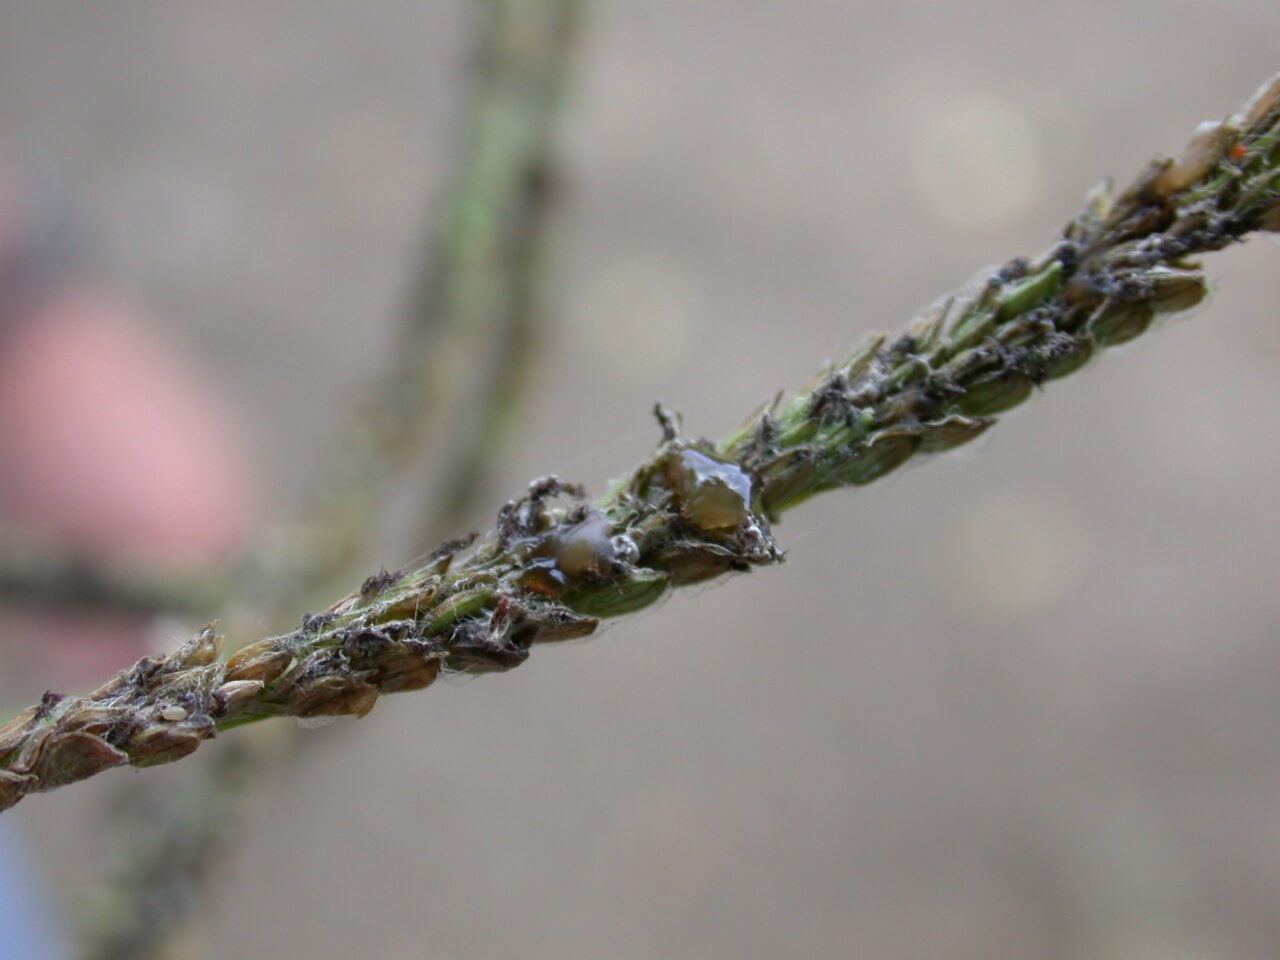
(1018, 703)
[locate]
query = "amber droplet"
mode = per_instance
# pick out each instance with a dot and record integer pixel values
(543, 576)
(714, 494)
(585, 549)
(572, 554)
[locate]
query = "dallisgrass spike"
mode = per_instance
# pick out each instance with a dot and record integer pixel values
(556, 564)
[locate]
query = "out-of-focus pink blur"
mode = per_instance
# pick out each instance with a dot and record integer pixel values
(117, 449)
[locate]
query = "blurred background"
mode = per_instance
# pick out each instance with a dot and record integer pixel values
(1017, 702)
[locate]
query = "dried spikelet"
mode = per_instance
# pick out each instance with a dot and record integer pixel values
(996, 392)
(260, 661)
(229, 697)
(1264, 102)
(952, 432)
(407, 673)
(555, 624)
(1117, 322)
(884, 453)
(1208, 146)
(69, 757)
(89, 717)
(396, 666)
(1172, 290)
(332, 696)
(1143, 190)
(409, 605)
(12, 787)
(637, 591)
(32, 750)
(200, 651)
(161, 743)
(15, 732)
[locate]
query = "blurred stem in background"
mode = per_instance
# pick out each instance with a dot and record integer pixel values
(35, 575)
(491, 272)
(471, 305)
(452, 393)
